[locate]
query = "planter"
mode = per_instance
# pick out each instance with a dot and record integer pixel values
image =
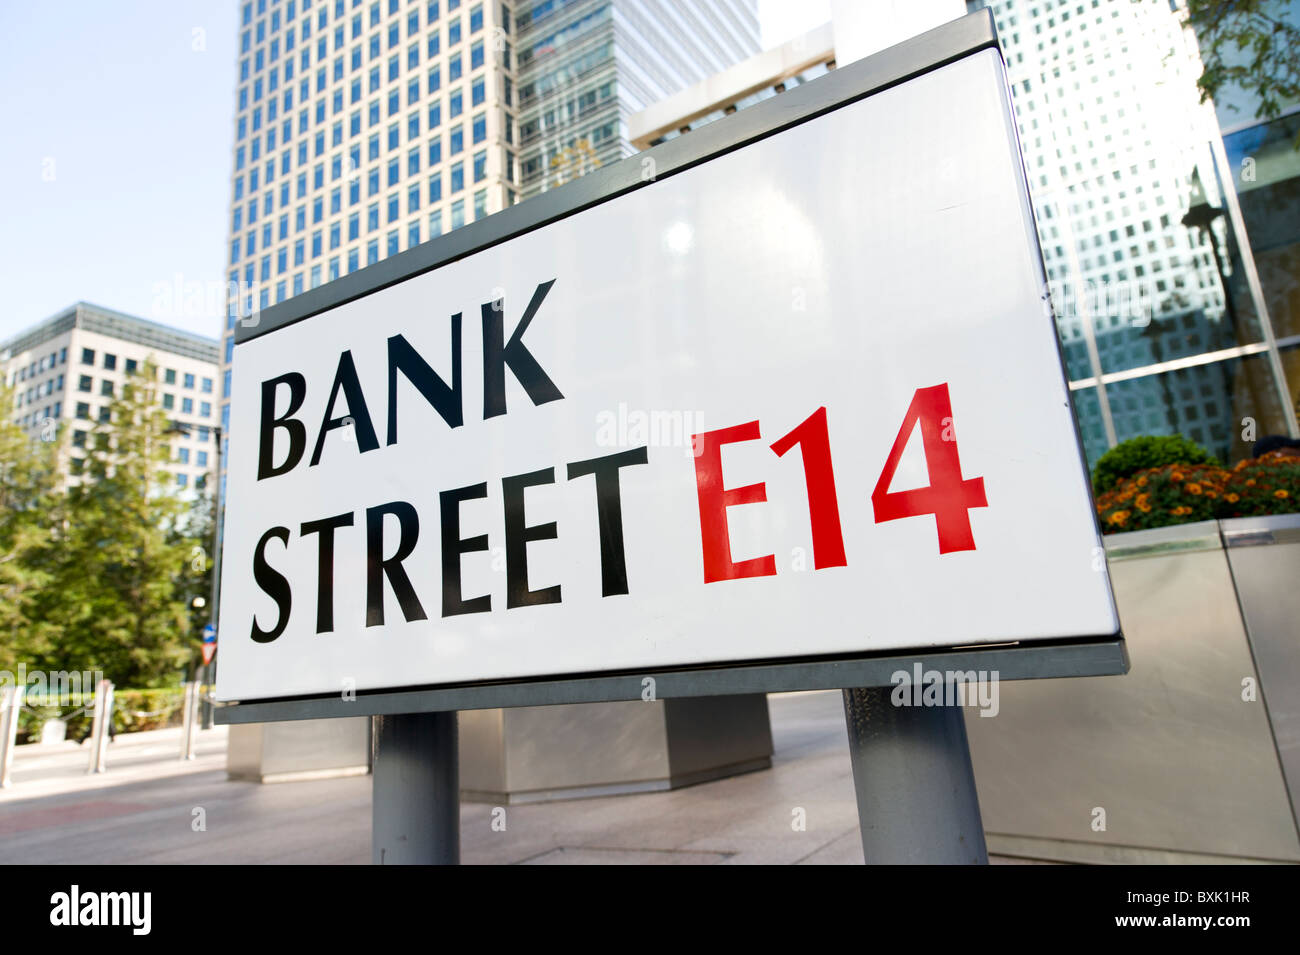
(536, 753)
(298, 750)
(1183, 767)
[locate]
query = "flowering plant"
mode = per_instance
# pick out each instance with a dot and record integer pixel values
(1159, 497)
(1263, 485)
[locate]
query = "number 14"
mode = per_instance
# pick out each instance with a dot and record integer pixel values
(949, 496)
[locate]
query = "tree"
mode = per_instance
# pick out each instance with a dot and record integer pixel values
(126, 552)
(28, 481)
(1250, 44)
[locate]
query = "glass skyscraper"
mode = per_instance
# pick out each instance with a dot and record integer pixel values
(365, 127)
(1161, 328)
(586, 65)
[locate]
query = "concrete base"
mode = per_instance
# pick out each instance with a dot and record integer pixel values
(300, 750)
(534, 754)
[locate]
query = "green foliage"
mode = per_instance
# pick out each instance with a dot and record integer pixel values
(1149, 451)
(27, 490)
(1247, 43)
(100, 576)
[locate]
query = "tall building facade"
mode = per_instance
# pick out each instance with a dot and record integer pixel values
(67, 370)
(1262, 159)
(362, 128)
(1172, 318)
(365, 127)
(1161, 330)
(585, 66)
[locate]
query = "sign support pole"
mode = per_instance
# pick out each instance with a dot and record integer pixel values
(416, 779)
(914, 781)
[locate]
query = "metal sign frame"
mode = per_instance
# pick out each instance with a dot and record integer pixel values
(1103, 654)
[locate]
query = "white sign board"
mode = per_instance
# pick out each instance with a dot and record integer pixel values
(802, 399)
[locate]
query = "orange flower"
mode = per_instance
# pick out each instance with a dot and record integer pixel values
(1250, 482)
(1143, 503)
(1180, 511)
(1118, 518)
(1142, 481)
(1193, 488)
(1280, 493)
(1176, 476)
(1232, 498)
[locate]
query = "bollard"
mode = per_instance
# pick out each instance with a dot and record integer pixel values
(11, 702)
(188, 718)
(99, 726)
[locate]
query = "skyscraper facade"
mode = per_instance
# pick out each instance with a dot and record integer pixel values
(66, 372)
(362, 128)
(1161, 329)
(365, 127)
(586, 65)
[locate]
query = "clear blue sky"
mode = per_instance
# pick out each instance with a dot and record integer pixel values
(128, 108)
(116, 129)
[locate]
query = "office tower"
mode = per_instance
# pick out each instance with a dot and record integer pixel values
(365, 127)
(66, 371)
(1160, 330)
(586, 65)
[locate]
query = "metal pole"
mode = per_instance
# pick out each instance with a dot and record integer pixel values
(99, 726)
(915, 786)
(209, 669)
(188, 715)
(416, 780)
(11, 701)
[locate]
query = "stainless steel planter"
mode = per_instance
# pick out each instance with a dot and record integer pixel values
(1180, 765)
(537, 753)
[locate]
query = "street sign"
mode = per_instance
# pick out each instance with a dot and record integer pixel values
(209, 634)
(209, 651)
(786, 394)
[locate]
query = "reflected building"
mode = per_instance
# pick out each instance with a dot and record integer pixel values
(584, 66)
(1162, 326)
(1154, 307)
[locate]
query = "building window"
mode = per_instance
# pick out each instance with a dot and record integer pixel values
(88, 356)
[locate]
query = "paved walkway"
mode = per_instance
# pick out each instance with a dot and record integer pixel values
(148, 807)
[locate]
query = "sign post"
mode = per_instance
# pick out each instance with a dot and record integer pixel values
(914, 782)
(416, 802)
(776, 405)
